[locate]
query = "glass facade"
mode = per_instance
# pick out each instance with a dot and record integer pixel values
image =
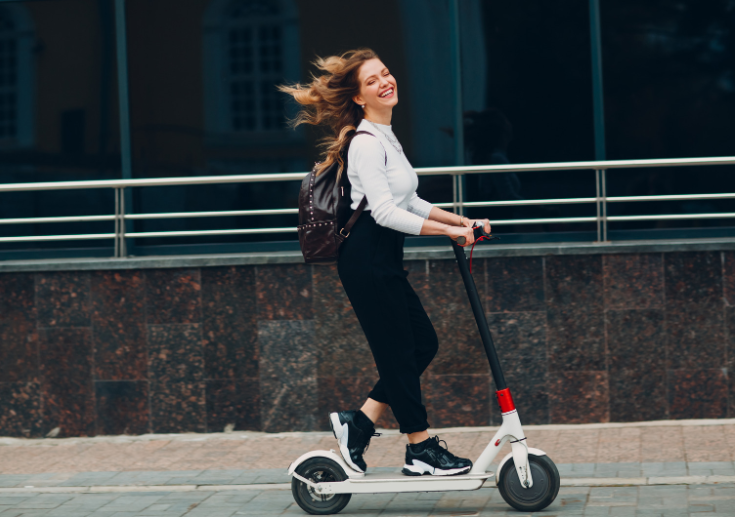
(669, 93)
(58, 115)
(202, 101)
(534, 105)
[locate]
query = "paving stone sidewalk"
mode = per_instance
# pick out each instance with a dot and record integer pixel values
(154, 472)
(272, 476)
(665, 501)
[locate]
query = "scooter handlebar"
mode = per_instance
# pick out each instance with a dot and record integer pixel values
(479, 232)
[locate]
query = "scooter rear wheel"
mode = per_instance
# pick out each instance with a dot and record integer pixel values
(545, 484)
(319, 470)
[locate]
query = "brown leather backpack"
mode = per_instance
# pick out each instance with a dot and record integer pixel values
(325, 216)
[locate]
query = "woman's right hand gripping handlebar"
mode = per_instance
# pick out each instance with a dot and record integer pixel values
(464, 235)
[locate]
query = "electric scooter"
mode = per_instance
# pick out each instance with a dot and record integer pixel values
(322, 482)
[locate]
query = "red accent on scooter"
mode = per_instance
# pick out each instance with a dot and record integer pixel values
(497, 443)
(481, 238)
(505, 400)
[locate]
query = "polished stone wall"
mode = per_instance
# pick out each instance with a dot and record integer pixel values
(582, 338)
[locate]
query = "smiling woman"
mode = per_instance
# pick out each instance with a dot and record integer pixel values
(355, 98)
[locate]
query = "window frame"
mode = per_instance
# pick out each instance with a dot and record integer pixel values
(24, 34)
(217, 113)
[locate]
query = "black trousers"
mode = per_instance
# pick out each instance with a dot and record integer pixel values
(401, 337)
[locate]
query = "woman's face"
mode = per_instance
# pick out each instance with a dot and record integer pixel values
(378, 88)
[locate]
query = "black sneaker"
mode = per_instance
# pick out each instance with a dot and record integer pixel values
(429, 457)
(353, 438)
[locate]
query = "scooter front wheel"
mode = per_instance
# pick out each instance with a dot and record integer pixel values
(319, 470)
(545, 484)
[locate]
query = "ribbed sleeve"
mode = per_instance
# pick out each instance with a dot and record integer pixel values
(418, 206)
(367, 158)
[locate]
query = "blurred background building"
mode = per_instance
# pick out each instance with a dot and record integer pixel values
(199, 93)
(136, 89)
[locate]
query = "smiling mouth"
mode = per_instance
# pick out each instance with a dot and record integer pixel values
(387, 93)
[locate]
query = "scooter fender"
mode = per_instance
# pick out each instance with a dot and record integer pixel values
(531, 450)
(332, 455)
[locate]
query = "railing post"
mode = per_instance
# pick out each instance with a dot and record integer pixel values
(117, 222)
(601, 202)
(603, 180)
(458, 193)
(455, 194)
(460, 189)
(120, 248)
(597, 205)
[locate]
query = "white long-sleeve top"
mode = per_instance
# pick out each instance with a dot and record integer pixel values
(389, 184)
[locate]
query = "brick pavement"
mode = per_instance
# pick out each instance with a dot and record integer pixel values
(675, 501)
(188, 475)
(572, 474)
(657, 442)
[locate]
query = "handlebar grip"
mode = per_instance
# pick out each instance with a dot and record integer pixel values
(479, 232)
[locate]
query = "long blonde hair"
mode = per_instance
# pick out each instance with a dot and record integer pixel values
(327, 100)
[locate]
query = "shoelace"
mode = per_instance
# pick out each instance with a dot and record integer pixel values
(368, 441)
(445, 449)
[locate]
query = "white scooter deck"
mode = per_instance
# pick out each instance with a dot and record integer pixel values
(392, 482)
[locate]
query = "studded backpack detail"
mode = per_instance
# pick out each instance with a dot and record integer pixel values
(324, 212)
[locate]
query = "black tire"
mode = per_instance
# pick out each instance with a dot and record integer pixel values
(319, 470)
(545, 484)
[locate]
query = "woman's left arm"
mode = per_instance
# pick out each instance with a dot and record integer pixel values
(425, 209)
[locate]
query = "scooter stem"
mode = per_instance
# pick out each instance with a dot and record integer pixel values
(487, 340)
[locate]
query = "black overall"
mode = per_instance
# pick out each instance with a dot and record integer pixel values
(401, 337)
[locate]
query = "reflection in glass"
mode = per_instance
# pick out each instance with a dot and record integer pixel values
(533, 105)
(8, 77)
(669, 93)
(255, 55)
(236, 123)
(58, 116)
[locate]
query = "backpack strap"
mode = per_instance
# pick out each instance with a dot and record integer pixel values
(345, 232)
(358, 211)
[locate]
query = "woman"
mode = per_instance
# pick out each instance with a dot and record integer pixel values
(358, 93)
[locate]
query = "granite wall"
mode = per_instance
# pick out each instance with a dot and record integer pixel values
(582, 338)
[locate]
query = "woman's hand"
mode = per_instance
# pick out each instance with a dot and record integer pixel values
(453, 232)
(485, 223)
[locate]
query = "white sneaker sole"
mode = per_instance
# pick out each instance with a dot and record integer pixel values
(419, 468)
(340, 432)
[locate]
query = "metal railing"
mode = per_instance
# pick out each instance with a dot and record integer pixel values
(458, 204)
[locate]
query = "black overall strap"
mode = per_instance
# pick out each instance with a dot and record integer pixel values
(358, 211)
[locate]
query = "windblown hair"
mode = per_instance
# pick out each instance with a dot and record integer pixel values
(327, 101)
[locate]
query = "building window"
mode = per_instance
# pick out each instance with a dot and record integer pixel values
(257, 46)
(255, 54)
(16, 76)
(8, 77)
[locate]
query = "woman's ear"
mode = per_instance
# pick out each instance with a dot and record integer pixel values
(357, 99)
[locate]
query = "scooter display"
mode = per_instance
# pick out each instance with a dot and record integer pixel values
(322, 482)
